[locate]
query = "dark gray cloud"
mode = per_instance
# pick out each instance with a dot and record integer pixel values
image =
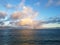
(1, 23)
(53, 20)
(2, 15)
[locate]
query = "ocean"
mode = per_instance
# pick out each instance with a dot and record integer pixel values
(30, 37)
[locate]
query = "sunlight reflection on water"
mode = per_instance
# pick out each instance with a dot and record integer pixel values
(29, 37)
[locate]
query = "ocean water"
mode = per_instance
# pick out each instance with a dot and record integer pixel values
(30, 37)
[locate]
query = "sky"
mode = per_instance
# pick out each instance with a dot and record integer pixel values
(30, 12)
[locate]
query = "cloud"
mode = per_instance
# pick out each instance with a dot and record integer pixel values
(52, 20)
(20, 5)
(51, 25)
(24, 13)
(25, 17)
(29, 12)
(37, 4)
(8, 5)
(1, 23)
(16, 15)
(28, 15)
(22, 2)
(2, 14)
(49, 3)
(53, 3)
(55, 20)
(58, 3)
(2, 17)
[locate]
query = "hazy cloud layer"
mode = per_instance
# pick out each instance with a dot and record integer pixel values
(9, 6)
(53, 3)
(37, 4)
(58, 3)
(49, 3)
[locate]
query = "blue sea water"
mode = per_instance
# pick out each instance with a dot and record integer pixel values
(30, 37)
